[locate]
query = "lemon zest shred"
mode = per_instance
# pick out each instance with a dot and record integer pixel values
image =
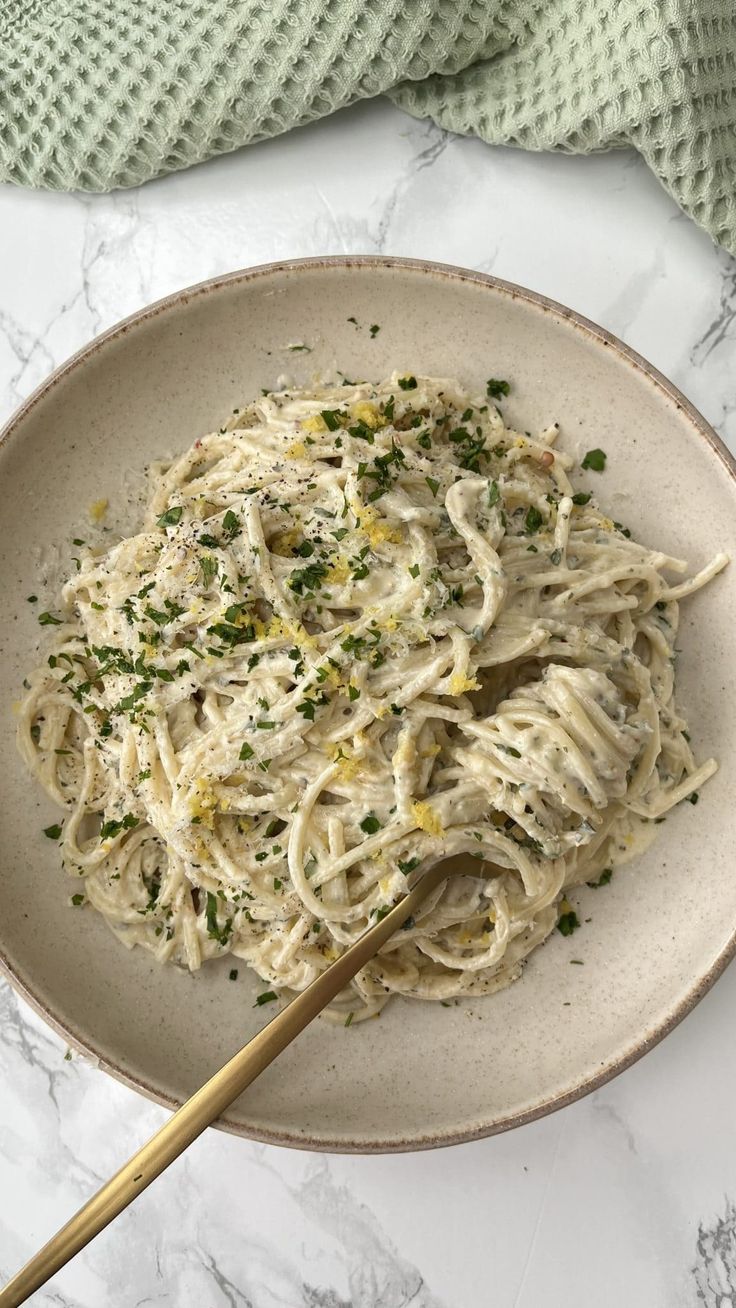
(98, 509)
(368, 414)
(203, 803)
(426, 818)
(459, 683)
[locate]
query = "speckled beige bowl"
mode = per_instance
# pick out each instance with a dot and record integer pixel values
(658, 936)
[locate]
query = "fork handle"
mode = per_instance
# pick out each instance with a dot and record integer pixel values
(209, 1102)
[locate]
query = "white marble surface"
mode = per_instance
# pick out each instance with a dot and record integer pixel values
(623, 1199)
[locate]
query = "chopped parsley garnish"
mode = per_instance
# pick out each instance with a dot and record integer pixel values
(268, 996)
(414, 570)
(581, 497)
(555, 557)
(171, 517)
(48, 620)
(433, 485)
(375, 329)
(533, 520)
(603, 879)
(129, 701)
(113, 827)
(156, 615)
(354, 645)
(77, 900)
(509, 749)
(370, 824)
(232, 974)
(595, 460)
(32, 599)
(362, 432)
(331, 419)
(495, 388)
(408, 383)
(214, 930)
(408, 865)
(568, 922)
(307, 708)
(380, 470)
(53, 832)
(231, 635)
(349, 1019)
(693, 799)
(307, 579)
(234, 612)
(473, 447)
(172, 611)
(353, 693)
(493, 494)
(208, 567)
(231, 525)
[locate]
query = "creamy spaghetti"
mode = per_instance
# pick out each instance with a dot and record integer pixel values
(362, 627)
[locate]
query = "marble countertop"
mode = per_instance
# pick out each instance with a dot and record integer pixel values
(626, 1198)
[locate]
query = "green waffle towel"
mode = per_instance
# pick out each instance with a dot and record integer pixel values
(97, 94)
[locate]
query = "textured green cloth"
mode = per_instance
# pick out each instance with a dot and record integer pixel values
(97, 95)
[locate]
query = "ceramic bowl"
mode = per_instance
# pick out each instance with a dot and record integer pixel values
(653, 941)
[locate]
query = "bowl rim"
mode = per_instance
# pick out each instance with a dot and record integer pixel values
(453, 273)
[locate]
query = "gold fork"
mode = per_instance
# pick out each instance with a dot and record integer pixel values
(207, 1104)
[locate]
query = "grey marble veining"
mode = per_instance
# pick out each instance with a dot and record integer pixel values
(715, 1265)
(626, 1198)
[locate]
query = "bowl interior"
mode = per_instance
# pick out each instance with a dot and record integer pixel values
(421, 1074)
